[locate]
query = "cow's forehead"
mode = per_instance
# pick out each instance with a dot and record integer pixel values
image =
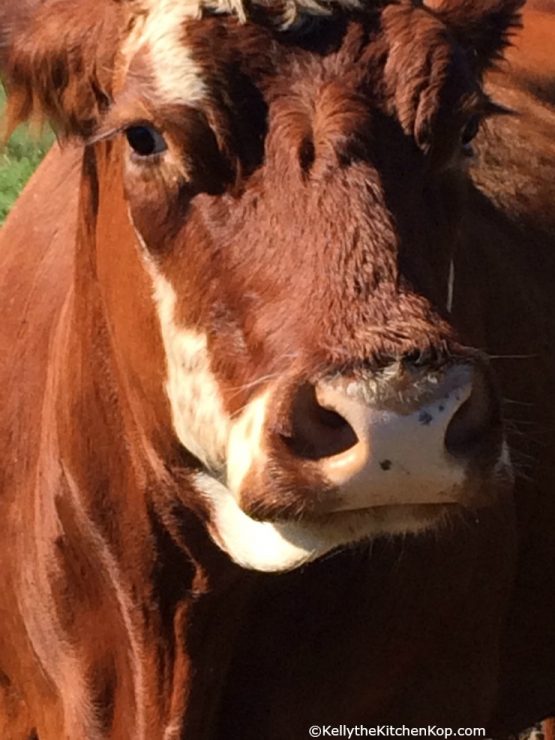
(285, 12)
(163, 30)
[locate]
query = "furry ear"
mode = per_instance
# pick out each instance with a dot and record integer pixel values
(57, 59)
(482, 27)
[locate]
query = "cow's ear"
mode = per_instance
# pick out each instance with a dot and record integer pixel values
(57, 60)
(482, 27)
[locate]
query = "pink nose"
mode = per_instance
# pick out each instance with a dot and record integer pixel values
(376, 443)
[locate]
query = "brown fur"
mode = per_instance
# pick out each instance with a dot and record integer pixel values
(318, 241)
(549, 729)
(58, 59)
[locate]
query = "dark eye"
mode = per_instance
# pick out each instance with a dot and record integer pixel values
(470, 131)
(145, 140)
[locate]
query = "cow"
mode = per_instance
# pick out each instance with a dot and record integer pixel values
(277, 350)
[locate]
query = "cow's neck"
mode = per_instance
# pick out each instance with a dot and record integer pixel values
(135, 557)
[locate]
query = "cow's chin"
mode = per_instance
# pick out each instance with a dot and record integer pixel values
(275, 547)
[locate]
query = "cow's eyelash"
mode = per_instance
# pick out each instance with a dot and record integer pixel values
(105, 135)
(108, 132)
(490, 109)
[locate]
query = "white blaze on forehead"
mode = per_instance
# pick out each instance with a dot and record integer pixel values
(160, 28)
(199, 418)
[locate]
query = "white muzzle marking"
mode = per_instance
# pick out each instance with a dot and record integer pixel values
(399, 458)
(275, 547)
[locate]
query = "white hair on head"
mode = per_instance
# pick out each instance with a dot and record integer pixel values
(160, 27)
(288, 11)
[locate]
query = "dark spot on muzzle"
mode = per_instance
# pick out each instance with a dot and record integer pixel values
(425, 418)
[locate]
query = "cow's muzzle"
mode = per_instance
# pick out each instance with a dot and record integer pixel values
(401, 437)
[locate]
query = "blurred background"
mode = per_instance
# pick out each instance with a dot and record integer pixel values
(18, 160)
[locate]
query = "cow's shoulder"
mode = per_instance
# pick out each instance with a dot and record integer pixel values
(37, 246)
(38, 238)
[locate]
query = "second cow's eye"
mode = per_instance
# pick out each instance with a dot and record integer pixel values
(145, 140)
(470, 131)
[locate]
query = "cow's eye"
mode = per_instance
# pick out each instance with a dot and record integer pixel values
(470, 131)
(145, 140)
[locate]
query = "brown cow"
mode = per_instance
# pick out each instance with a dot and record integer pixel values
(238, 307)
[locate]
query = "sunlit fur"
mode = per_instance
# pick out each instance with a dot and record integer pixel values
(309, 241)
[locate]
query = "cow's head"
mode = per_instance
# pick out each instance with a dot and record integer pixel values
(294, 179)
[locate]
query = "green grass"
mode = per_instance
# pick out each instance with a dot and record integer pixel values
(18, 160)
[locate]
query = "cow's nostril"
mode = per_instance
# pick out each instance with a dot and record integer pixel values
(475, 421)
(430, 357)
(418, 357)
(317, 432)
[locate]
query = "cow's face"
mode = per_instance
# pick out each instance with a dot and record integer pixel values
(295, 195)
